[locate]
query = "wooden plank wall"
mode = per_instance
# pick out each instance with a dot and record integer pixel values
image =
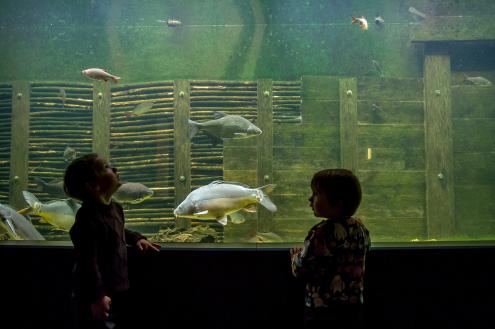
(473, 111)
(5, 132)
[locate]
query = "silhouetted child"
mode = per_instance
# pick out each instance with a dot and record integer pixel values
(100, 243)
(332, 260)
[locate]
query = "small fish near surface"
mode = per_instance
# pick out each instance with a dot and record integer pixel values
(379, 21)
(140, 109)
(60, 214)
(69, 154)
(100, 74)
(219, 199)
(132, 193)
(477, 81)
(171, 22)
(363, 23)
(54, 188)
(16, 226)
(225, 126)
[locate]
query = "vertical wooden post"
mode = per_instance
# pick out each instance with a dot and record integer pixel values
(438, 144)
(19, 142)
(265, 147)
(101, 118)
(348, 124)
(182, 147)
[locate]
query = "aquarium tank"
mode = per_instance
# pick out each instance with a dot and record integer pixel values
(218, 112)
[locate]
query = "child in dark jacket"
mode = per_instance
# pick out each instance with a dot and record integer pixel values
(332, 261)
(100, 242)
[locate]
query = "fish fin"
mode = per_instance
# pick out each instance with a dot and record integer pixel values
(240, 134)
(24, 211)
(72, 204)
(222, 220)
(32, 201)
(214, 139)
(219, 114)
(204, 212)
(237, 218)
(265, 200)
(193, 128)
(251, 208)
(115, 79)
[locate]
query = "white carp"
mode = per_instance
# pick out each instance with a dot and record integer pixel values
(100, 74)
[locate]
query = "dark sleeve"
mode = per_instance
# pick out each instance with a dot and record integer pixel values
(85, 237)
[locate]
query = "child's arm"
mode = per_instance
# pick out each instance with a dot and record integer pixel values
(140, 241)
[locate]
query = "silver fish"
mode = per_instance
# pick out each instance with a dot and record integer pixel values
(69, 154)
(225, 126)
(54, 188)
(140, 109)
(100, 74)
(477, 81)
(379, 20)
(16, 226)
(219, 199)
(132, 193)
(60, 213)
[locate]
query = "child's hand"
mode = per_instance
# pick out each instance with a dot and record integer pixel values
(101, 308)
(294, 251)
(145, 245)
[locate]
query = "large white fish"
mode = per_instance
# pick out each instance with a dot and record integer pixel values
(60, 213)
(219, 199)
(16, 226)
(100, 74)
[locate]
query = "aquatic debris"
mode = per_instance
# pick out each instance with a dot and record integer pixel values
(477, 81)
(416, 13)
(266, 237)
(225, 126)
(363, 23)
(379, 20)
(60, 213)
(69, 154)
(140, 109)
(197, 233)
(100, 74)
(16, 226)
(219, 199)
(171, 22)
(133, 193)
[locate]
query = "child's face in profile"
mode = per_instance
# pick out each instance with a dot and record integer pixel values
(108, 179)
(322, 207)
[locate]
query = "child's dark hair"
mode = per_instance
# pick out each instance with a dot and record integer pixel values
(339, 184)
(80, 172)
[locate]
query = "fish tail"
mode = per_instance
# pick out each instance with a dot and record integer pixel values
(115, 79)
(264, 199)
(40, 184)
(193, 128)
(32, 201)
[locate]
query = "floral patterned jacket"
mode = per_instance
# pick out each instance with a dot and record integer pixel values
(332, 262)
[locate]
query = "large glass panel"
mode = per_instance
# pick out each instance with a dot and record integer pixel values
(243, 101)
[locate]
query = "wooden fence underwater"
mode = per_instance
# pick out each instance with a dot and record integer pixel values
(424, 157)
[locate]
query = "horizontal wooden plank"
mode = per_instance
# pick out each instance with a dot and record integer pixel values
(474, 168)
(391, 112)
(305, 135)
(292, 158)
(378, 179)
(473, 101)
(320, 87)
(454, 28)
(474, 203)
(240, 157)
(381, 158)
(395, 230)
(319, 111)
(404, 202)
(409, 137)
(474, 135)
(391, 89)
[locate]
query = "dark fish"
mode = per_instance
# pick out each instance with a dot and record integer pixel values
(225, 126)
(54, 188)
(477, 81)
(16, 226)
(132, 193)
(69, 154)
(140, 109)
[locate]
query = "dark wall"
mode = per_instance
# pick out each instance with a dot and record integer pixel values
(253, 288)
